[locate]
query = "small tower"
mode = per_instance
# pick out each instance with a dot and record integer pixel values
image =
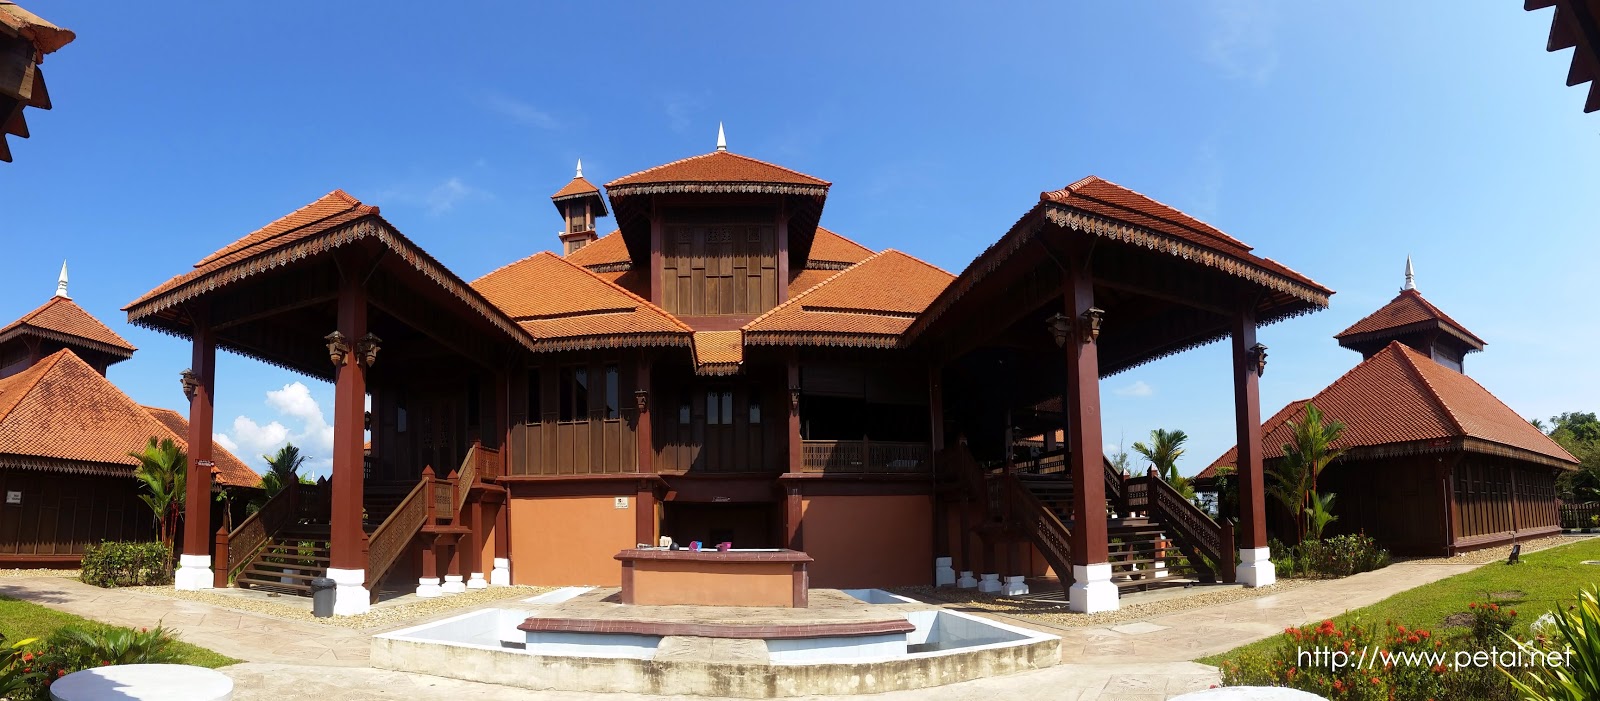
(1414, 321)
(580, 203)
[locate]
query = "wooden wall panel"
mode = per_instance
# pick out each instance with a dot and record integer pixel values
(61, 513)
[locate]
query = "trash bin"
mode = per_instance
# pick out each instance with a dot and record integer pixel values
(322, 597)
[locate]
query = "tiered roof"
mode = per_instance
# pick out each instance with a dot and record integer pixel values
(565, 306)
(717, 172)
(61, 415)
(1407, 313)
(1400, 402)
(870, 304)
(62, 320)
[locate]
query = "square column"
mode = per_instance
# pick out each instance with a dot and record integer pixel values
(347, 555)
(1091, 590)
(1255, 562)
(194, 565)
(501, 576)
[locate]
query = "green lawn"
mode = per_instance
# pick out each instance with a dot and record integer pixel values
(20, 619)
(1544, 580)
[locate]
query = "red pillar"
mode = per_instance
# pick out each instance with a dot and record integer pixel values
(644, 433)
(1255, 567)
(349, 399)
(195, 564)
(1091, 590)
(796, 447)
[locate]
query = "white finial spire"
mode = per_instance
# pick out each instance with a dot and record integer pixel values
(722, 140)
(1411, 276)
(61, 283)
(580, 168)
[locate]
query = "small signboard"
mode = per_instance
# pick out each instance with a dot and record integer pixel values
(13, 497)
(622, 502)
(205, 463)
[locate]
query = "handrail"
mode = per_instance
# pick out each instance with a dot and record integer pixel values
(252, 534)
(1188, 521)
(389, 539)
(464, 479)
(1039, 523)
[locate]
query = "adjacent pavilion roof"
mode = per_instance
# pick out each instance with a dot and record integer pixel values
(1401, 402)
(60, 415)
(868, 305)
(718, 352)
(1406, 314)
(1576, 25)
(580, 188)
(62, 320)
(22, 81)
(605, 254)
(566, 306)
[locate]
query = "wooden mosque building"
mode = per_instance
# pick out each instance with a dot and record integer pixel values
(723, 368)
(1433, 464)
(65, 435)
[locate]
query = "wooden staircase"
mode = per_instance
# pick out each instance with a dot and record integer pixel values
(289, 561)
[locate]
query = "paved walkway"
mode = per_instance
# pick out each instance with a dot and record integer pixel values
(287, 659)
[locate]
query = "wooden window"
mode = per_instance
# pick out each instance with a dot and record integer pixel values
(574, 393)
(719, 407)
(685, 412)
(755, 405)
(613, 409)
(535, 397)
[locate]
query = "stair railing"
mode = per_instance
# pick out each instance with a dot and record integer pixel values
(1039, 523)
(241, 545)
(388, 541)
(1189, 523)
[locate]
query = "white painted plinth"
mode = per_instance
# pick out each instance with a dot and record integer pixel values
(1255, 568)
(194, 573)
(476, 581)
(501, 576)
(1091, 590)
(428, 587)
(350, 595)
(966, 580)
(990, 584)
(144, 682)
(453, 584)
(944, 573)
(1014, 586)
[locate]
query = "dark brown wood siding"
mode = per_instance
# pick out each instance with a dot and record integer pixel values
(61, 513)
(719, 263)
(1497, 495)
(737, 440)
(550, 438)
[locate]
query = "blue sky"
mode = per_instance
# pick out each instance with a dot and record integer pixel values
(1334, 137)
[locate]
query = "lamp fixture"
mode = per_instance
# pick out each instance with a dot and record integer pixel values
(191, 382)
(1258, 355)
(338, 348)
(1092, 318)
(1060, 327)
(641, 399)
(367, 349)
(794, 399)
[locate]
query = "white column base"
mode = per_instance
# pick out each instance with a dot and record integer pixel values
(501, 576)
(194, 573)
(428, 587)
(1014, 586)
(476, 581)
(990, 584)
(350, 595)
(453, 584)
(1092, 590)
(966, 581)
(944, 573)
(1255, 568)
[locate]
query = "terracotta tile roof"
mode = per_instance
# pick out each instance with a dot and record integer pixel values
(1104, 198)
(807, 279)
(26, 76)
(1399, 396)
(604, 251)
(563, 306)
(871, 303)
(231, 471)
(62, 410)
(63, 320)
(734, 172)
(833, 248)
(1408, 309)
(580, 187)
(718, 352)
(45, 37)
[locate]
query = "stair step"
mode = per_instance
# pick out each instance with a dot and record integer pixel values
(315, 559)
(268, 574)
(298, 589)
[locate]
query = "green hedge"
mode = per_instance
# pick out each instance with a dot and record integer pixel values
(118, 564)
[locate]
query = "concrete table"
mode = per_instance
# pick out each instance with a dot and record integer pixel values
(144, 682)
(1248, 693)
(774, 578)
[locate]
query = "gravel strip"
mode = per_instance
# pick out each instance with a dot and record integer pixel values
(1055, 614)
(1499, 552)
(297, 608)
(9, 574)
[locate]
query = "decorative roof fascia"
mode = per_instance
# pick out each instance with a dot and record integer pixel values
(717, 369)
(618, 267)
(823, 339)
(26, 329)
(370, 226)
(717, 188)
(12, 461)
(1473, 344)
(609, 341)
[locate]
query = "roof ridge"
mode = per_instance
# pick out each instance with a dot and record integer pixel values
(908, 256)
(714, 154)
(40, 369)
(337, 193)
(645, 302)
(846, 239)
(1214, 231)
(1406, 353)
(796, 299)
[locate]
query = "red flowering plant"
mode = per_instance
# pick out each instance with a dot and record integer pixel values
(16, 667)
(1356, 663)
(71, 648)
(1490, 621)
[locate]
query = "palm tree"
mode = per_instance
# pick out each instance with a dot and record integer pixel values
(1163, 451)
(163, 472)
(283, 469)
(1295, 478)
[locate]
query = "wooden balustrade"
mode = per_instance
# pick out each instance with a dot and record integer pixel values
(389, 540)
(865, 456)
(1044, 530)
(1586, 515)
(1193, 527)
(238, 547)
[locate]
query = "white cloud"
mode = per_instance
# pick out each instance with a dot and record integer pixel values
(298, 419)
(1241, 44)
(437, 198)
(521, 112)
(681, 109)
(1139, 388)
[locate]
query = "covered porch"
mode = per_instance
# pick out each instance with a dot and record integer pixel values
(335, 293)
(1092, 281)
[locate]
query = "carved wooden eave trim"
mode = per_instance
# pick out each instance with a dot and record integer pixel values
(610, 341)
(617, 267)
(1440, 446)
(143, 312)
(1078, 220)
(718, 369)
(69, 467)
(26, 329)
(723, 188)
(823, 339)
(1473, 344)
(815, 264)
